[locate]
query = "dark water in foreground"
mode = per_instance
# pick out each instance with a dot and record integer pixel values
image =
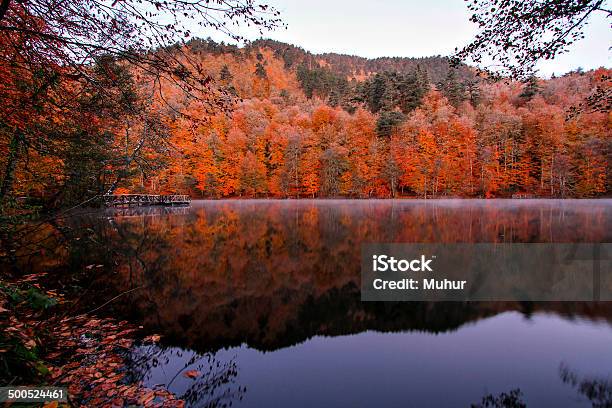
(262, 299)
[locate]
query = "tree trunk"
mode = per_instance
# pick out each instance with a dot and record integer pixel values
(11, 163)
(552, 164)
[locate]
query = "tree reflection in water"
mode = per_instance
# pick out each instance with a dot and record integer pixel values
(201, 380)
(511, 399)
(273, 273)
(597, 390)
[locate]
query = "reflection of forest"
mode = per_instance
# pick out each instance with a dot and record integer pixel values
(277, 273)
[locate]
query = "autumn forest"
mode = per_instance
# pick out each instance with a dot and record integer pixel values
(185, 200)
(278, 121)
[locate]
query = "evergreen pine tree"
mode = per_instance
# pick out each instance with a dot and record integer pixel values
(376, 93)
(387, 122)
(225, 75)
(334, 97)
(306, 80)
(531, 89)
(472, 90)
(391, 95)
(452, 88)
(410, 92)
(260, 71)
(422, 77)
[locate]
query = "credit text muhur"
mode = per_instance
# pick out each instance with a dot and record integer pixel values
(384, 263)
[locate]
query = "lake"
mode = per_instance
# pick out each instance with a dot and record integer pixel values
(261, 298)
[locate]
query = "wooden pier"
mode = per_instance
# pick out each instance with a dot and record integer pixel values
(523, 195)
(129, 200)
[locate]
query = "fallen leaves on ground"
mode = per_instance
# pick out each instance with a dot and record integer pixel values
(152, 339)
(93, 372)
(83, 353)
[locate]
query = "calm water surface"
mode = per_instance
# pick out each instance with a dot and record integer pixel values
(262, 299)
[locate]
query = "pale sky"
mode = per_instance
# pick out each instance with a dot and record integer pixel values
(408, 28)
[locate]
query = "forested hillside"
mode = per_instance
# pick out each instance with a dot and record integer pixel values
(355, 67)
(288, 123)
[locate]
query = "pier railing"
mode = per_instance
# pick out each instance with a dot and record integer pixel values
(123, 200)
